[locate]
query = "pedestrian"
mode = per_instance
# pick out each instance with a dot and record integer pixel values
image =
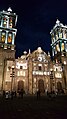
(3, 93)
(15, 94)
(38, 94)
(12, 93)
(22, 93)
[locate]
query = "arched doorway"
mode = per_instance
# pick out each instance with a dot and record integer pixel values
(41, 85)
(20, 85)
(59, 86)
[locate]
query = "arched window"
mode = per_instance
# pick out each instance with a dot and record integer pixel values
(10, 22)
(3, 36)
(40, 68)
(60, 33)
(9, 38)
(62, 46)
(57, 48)
(4, 22)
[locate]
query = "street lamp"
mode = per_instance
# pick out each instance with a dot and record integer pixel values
(12, 75)
(51, 78)
(64, 73)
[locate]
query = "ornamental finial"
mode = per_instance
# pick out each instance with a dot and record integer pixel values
(9, 9)
(57, 22)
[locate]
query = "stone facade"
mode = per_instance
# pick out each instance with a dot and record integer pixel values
(32, 71)
(59, 53)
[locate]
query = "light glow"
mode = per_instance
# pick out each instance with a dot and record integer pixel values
(24, 65)
(65, 62)
(58, 75)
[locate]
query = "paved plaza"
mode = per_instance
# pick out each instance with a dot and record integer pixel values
(32, 108)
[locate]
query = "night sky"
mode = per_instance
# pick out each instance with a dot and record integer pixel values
(36, 18)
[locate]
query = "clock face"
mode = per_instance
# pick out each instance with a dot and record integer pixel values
(40, 59)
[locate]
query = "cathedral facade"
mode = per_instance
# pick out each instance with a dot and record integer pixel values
(32, 71)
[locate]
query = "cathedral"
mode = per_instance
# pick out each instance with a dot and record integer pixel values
(33, 70)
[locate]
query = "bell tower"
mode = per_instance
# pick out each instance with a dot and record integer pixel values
(59, 41)
(59, 51)
(8, 31)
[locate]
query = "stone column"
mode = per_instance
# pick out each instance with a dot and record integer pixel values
(13, 37)
(52, 51)
(6, 37)
(65, 44)
(7, 22)
(63, 34)
(2, 22)
(30, 85)
(0, 34)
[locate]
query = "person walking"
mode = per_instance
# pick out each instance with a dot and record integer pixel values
(38, 94)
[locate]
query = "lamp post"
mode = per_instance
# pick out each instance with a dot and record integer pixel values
(51, 79)
(12, 75)
(64, 73)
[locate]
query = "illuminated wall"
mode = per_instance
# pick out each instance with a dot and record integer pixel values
(8, 31)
